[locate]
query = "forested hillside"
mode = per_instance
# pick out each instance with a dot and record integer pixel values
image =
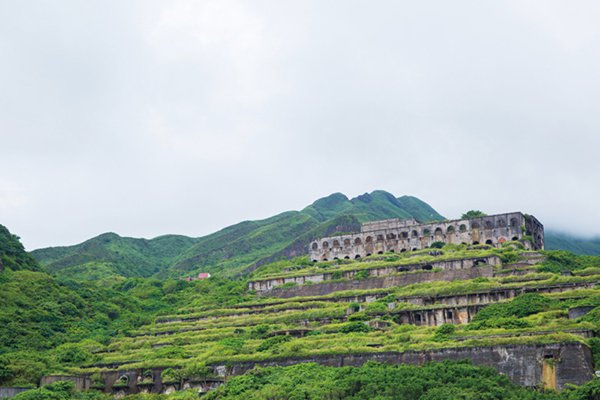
(231, 250)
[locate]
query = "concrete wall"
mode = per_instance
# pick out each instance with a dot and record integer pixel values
(8, 392)
(456, 264)
(523, 364)
(382, 282)
(399, 236)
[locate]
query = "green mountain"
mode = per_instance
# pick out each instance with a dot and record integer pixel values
(244, 246)
(13, 254)
(233, 250)
(562, 241)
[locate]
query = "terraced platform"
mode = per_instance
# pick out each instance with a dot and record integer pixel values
(369, 310)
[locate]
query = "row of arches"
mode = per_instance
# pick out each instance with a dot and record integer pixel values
(438, 233)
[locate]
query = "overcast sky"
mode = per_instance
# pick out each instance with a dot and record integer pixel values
(153, 117)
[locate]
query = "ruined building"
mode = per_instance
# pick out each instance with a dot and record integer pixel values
(396, 235)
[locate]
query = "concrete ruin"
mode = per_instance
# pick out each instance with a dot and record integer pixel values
(396, 235)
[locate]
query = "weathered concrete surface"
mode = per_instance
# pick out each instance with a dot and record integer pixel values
(405, 235)
(577, 312)
(261, 285)
(380, 283)
(523, 364)
(8, 392)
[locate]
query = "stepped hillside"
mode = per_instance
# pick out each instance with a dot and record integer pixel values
(234, 249)
(529, 315)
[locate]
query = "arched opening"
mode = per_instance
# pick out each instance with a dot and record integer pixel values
(475, 242)
(475, 225)
(514, 222)
(404, 235)
(314, 261)
(380, 238)
(501, 223)
(369, 239)
(489, 225)
(489, 241)
(335, 258)
(324, 259)
(390, 236)
(426, 232)
(515, 238)
(462, 228)
(357, 242)
(392, 251)
(414, 249)
(450, 230)
(356, 257)
(315, 246)
(403, 251)
(438, 233)
(368, 254)
(336, 243)
(346, 242)
(347, 258)
(325, 245)
(402, 269)
(415, 234)
(427, 267)
(380, 252)
(480, 262)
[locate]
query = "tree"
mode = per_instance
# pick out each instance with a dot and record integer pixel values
(473, 214)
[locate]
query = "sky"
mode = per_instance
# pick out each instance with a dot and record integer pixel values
(150, 117)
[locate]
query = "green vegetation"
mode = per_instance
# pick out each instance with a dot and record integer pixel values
(54, 323)
(473, 214)
(433, 381)
(233, 249)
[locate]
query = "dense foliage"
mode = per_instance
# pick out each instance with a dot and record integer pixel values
(434, 381)
(12, 253)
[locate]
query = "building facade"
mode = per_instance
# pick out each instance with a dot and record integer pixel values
(396, 235)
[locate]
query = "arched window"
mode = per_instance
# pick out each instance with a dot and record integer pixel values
(391, 236)
(489, 241)
(514, 223)
(369, 239)
(501, 223)
(475, 225)
(426, 232)
(336, 243)
(462, 228)
(438, 231)
(404, 235)
(346, 242)
(380, 238)
(325, 245)
(450, 229)
(489, 224)
(415, 234)
(315, 246)
(357, 241)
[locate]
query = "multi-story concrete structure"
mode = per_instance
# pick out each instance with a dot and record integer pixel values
(396, 235)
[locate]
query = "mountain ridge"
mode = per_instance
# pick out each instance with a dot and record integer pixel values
(242, 247)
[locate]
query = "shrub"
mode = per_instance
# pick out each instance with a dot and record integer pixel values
(443, 332)
(360, 275)
(355, 327)
(272, 342)
(437, 245)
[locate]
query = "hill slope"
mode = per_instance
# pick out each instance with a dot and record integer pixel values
(233, 249)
